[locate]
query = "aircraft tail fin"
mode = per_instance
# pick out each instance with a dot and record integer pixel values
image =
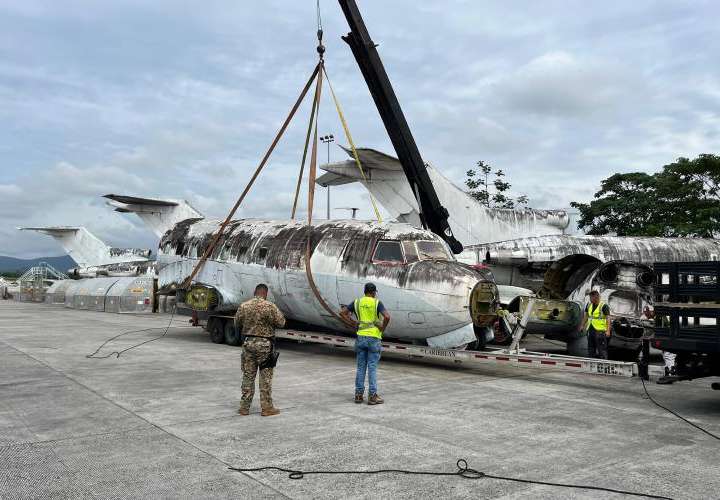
(471, 221)
(159, 215)
(384, 178)
(88, 250)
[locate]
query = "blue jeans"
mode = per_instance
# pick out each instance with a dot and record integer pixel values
(368, 355)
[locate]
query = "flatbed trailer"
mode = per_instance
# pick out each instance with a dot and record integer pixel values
(501, 357)
(221, 329)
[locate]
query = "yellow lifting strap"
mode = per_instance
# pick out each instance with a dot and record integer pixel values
(350, 141)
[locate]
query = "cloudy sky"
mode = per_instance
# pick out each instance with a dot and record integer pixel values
(180, 99)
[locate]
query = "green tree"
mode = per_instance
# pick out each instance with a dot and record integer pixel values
(681, 200)
(478, 184)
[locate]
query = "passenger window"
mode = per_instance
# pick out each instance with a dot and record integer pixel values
(431, 250)
(389, 252)
(410, 251)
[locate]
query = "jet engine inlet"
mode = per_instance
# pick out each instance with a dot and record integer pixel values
(608, 273)
(645, 279)
(484, 300)
(201, 298)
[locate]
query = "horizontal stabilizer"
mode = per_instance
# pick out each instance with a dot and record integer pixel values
(158, 214)
(333, 179)
(141, 201)
(373, 159)
(51, 230)
(376, 166)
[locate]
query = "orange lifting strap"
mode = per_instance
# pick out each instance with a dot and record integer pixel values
(317, 76)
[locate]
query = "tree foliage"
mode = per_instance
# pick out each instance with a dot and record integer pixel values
(681, 200)
(478, 184)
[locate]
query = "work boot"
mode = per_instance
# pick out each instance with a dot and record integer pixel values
(244, 412)
(374, 399)
(358, 397)
(269, 412)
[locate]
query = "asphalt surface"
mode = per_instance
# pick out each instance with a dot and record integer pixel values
(161, 422)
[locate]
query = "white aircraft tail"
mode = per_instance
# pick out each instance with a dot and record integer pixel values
(158, 215)
(88, 250)
(471, 221)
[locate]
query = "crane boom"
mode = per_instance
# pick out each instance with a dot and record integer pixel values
(432, 214)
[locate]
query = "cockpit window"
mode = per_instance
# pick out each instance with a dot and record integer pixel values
(388, 251)
(431, 250)
(410, 251)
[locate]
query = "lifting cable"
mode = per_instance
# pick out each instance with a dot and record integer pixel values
(462, 471)
(117, 354)
(316, 77)
(652, 400)
(304, 157)
(211, 247)
(352, 144)
(311, 185)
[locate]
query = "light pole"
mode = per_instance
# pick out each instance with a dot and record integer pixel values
(327, 139)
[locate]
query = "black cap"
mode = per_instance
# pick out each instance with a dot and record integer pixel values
(370, 288)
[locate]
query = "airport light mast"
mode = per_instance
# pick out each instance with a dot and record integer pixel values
(433, 215)
(327, 139)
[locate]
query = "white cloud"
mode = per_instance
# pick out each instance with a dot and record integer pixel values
(144, 98)
(561, 84)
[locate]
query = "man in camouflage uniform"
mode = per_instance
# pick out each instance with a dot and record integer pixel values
(259, 317)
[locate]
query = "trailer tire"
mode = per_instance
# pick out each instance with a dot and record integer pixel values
(482, 333)
(578, 347)
(217, 333)
(232, 334)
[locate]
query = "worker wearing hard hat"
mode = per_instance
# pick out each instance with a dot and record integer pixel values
(597, 322)
(372, 320)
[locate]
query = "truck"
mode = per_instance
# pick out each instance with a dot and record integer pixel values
(687, 317)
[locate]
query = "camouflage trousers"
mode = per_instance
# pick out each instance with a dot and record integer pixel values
(255, 351)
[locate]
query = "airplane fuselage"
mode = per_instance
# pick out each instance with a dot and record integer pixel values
(425, 290)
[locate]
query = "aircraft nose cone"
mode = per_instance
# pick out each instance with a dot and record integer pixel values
(445, 288)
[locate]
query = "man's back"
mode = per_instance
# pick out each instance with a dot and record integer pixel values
(259, 317)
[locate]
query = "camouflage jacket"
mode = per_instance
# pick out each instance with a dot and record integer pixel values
(259, 317)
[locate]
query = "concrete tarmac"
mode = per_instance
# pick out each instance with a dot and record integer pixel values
(161, 421)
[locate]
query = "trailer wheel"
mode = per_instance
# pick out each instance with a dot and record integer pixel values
(232, 334)
(578, 347)
(217, 333)
(481, 335)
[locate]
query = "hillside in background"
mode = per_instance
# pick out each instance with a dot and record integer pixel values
(11, 264)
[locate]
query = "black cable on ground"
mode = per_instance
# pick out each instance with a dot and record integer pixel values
(118, 353)
(462, 471)
(676, 414)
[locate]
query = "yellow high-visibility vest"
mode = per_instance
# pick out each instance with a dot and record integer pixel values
(597, 318)
(367, 315)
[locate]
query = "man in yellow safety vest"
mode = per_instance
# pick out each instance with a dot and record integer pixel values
(372, 320)
(597, 322)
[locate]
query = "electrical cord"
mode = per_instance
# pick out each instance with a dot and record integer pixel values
(462, 471)
(676, 414)
(117, 354)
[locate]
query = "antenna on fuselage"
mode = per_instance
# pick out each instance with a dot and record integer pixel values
(354, 210)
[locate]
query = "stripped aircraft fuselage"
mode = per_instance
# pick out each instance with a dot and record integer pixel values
(424, 288)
